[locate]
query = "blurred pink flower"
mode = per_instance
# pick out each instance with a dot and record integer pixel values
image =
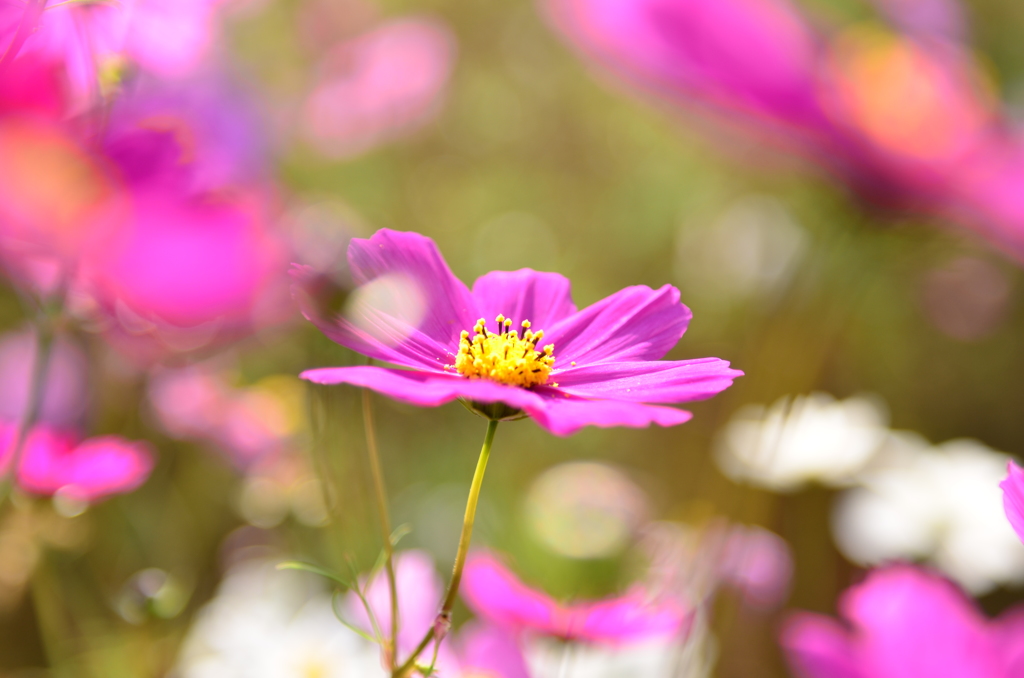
(380, 86)
(748, 57)
(905, 622)
(249, 426)
(417, 314)
(53, 462)
(1013, 497)
(92, 39)
(476, 649)
(909, 120)
(758, 564)
(65, 391)
(185, 270)
(496, 594)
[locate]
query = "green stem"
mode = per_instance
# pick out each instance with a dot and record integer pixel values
(40, 365)
(460, 556)
(385, 520)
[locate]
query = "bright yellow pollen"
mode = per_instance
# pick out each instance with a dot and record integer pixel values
(506, 357)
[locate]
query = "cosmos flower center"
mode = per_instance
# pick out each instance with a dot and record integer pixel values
(506, 357)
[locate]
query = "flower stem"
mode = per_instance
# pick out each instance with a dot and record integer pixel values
(385, 521)
(460, 556)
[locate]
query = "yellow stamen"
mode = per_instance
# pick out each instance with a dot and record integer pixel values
(506, 357)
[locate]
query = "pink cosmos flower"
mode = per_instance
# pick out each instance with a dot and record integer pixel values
(477, 649)
(167, 37)
(906, 622)
(496, 594)
(184, 270)
(514, 345)
(906, 119)
(53, 461)
(253, 426)
(380, 86)
(1013, 497)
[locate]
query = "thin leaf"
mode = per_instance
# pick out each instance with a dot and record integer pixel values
(306, 567)
(351, 627)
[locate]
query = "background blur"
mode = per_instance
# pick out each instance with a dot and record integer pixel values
(526, 157)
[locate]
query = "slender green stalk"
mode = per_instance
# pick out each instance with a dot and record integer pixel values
(460, 556)
(36, 387)
(385, 521)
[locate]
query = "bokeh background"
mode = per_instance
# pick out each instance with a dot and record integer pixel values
(526, 155)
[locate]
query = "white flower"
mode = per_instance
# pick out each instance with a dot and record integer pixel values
(807, 438)
(942, 504)
(666, 658)
(265, 623)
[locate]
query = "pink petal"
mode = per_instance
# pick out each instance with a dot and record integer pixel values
(1013, 497)
(380, 86)
(408, 347)
(564, 414)
(541, 298)
(912, 622)
(427, 389)
(171, 37)
(186, 262)
(627, 619)
(107, 465)
(560, 413)
(96, 468)
(492, 591)
(1009, 630)
(758, 57)
(819, 647)
(496, 594)
(649, 381)
(490, 651)
(636, 323)
(450, 308)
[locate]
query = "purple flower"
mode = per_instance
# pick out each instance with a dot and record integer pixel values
(905, 622)
(514, 345)
(1013, 497)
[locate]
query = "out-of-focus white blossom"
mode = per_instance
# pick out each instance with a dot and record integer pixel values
(749, 252)
(650, 660)
(942, 504)
(265, 623)
(802, 439)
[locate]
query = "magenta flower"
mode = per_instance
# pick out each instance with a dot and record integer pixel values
(477, 649)
(1013, 497)
(184, 271)
(905, 118)
(380, 86)
(492, 591)
(167, 37)
(757, 59)
(53, 461)
(515, 345)
(905, 622)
